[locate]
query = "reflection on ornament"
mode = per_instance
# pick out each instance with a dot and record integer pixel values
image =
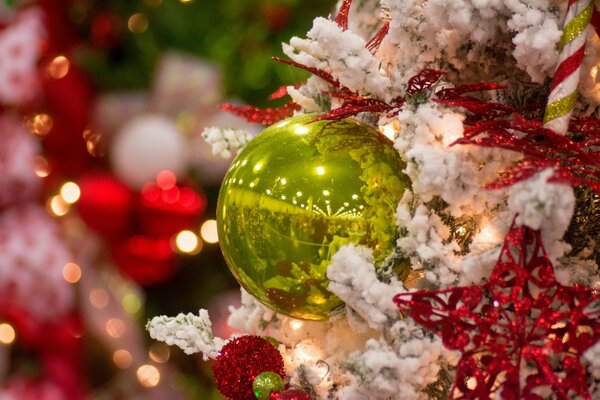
(297, 193)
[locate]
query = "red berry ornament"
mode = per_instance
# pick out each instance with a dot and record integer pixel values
(291, 394)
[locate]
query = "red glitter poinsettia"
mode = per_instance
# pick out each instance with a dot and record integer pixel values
(575, 159)
(520, 334)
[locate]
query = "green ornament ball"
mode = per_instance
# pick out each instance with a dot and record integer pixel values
(265, 383)
(294, 195)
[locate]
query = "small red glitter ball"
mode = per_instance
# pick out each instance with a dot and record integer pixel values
(240, 361)
(291, 394)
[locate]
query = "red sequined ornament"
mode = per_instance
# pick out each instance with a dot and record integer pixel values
(240, 361)
(291, 394)
(106, 205)
(521, 334)
(166, 210)
(145, 259)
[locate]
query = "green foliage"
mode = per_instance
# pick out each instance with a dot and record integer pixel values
(240, 36)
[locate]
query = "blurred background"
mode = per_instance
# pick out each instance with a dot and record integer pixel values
(108, 191)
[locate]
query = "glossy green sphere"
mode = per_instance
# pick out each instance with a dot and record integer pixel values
(266, 383)
(294, 195)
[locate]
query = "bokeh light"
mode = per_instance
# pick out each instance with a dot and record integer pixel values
(208, 231)
(7, 333)
(71, 272)
(70, 192)
(148, 375)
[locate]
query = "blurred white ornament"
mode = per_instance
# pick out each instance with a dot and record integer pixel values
(31, 266)
(184, 84)
(113, 110)
(146, 145)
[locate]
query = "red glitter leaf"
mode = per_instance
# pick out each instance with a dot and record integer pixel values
(574, 162)
(423, 80)
(317, 72)
(279, 93)
(373, 44)
(342, 16)
(265, 116)
(355, 106)
(452, 93)
(522, 321)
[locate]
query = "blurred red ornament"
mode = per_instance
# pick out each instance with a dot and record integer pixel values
(106, 205)
(65, 147)
(168, 209)
(515, 329)
(277, 16)
(105, 30)
(291, 394)
(240, 361)
(146, 260)
(59, 348)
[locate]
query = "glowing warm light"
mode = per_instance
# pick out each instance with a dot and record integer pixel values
(159, 352)
(7, 333)
(99, 298)
(320, 170)
(122, 359)
(296, 325)
(326, 192)
(187, 242)
(138, 23)
(58, 67)
(58, 206)
(185, 1)
(472, 383)
(166, 179)
(148, 375)
(131, 303)
(209, 232)
(115, 327)
(70, 192)
(94, 142)
(283, 181)
(40, 124)
(307, 353)
(388, 131)
(71, 272)
(487, 235)
(41, 166)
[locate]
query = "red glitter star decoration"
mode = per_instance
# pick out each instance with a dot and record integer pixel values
(521, 334)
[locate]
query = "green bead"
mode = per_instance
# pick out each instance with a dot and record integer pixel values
(297, 193)
(266, 383)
